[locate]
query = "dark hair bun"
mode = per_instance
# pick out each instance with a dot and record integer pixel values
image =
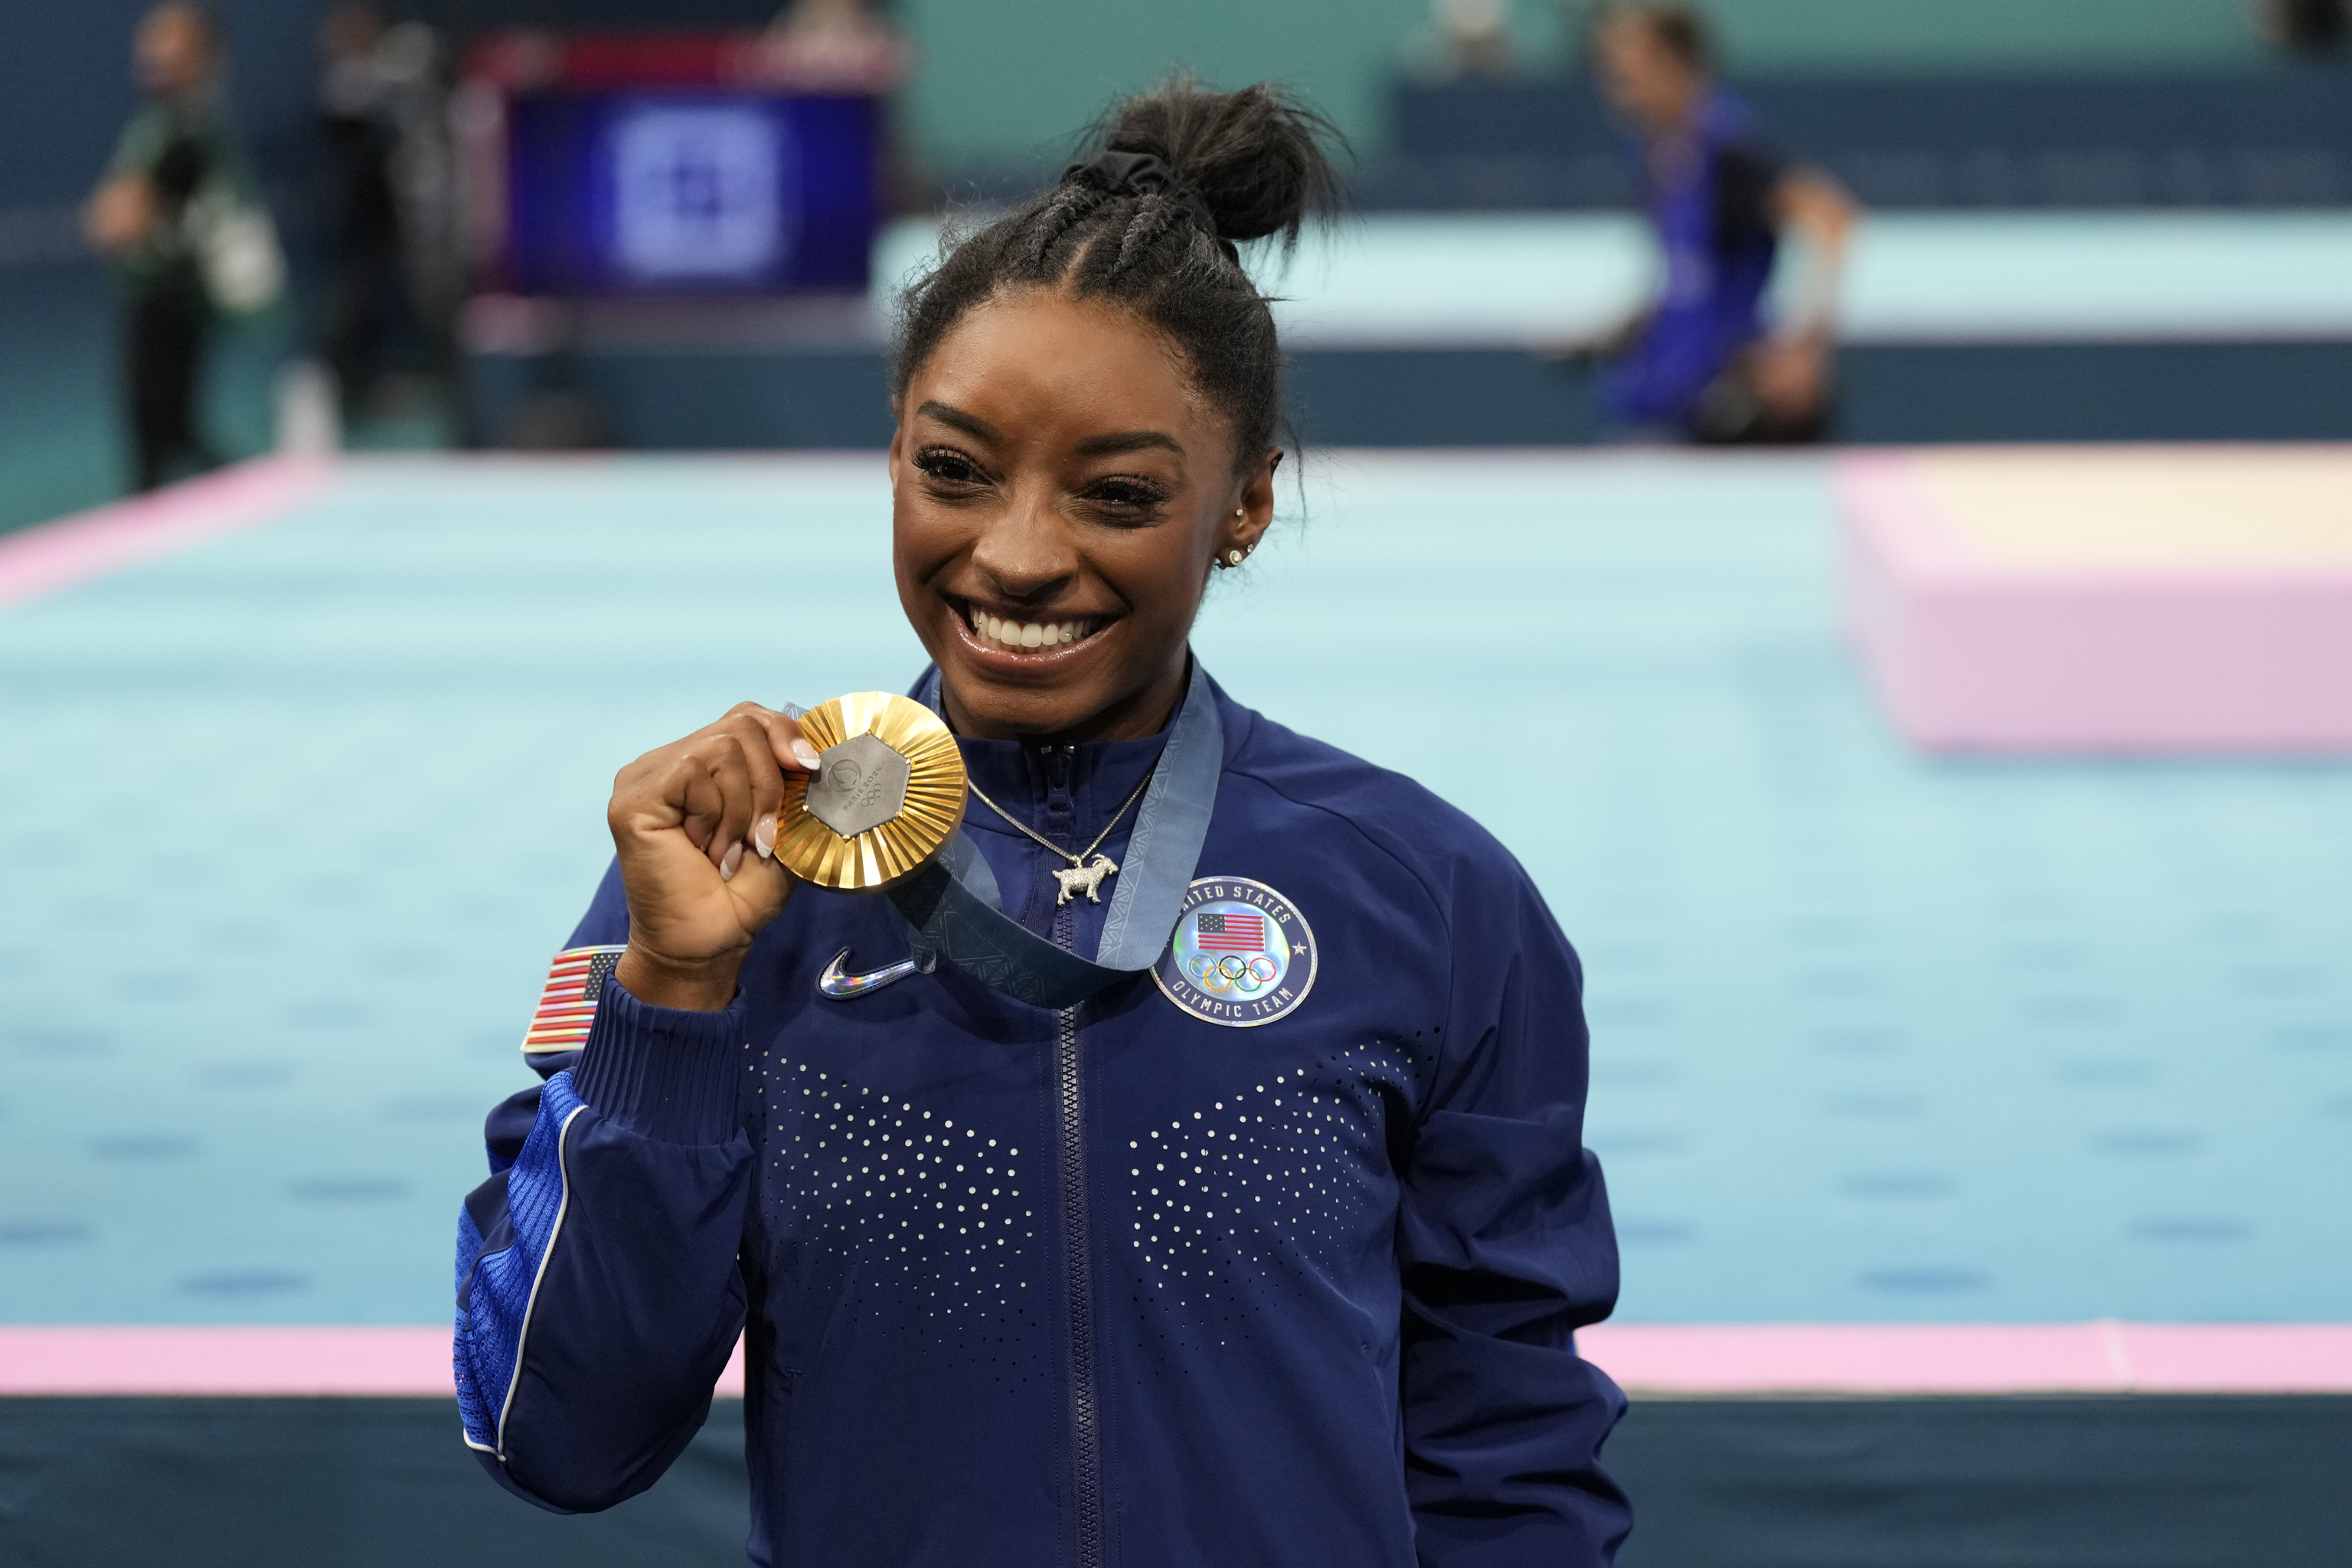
(1170, 183)
(1257, 157)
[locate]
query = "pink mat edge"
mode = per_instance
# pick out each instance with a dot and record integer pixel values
(1906, 573)
(1657, 1358)
(253, 1361)
(1990, 1358)
(1884, 506)
(46, 557)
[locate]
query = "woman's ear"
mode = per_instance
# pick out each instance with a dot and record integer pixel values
(1253, 506)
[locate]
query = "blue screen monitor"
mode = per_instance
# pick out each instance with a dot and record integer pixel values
(691, 192)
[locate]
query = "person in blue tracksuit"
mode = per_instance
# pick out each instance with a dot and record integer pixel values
(1701, 362)
(1236, 1211)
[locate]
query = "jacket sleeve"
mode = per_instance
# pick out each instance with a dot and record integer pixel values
(598, 1289)
(1506, 1251)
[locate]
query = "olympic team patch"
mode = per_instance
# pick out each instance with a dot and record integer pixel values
(1242, 955)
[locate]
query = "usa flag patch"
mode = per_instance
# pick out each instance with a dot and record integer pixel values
(567, 1006)
(1230, 930)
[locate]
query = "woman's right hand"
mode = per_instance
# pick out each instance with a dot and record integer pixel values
(695, 824)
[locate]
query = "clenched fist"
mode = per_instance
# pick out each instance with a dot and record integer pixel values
(695, 824)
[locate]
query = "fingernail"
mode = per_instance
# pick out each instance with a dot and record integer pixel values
(763, 836)
(804, 754)
(727, 862)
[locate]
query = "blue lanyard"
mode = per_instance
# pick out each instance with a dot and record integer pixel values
(953, 910)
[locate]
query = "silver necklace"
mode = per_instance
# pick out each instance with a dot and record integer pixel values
(1081, 878)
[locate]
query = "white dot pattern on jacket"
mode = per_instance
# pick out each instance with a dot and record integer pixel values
(1235, 1204)
(919, 1216)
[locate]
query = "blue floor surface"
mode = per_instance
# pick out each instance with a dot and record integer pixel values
(290, 824)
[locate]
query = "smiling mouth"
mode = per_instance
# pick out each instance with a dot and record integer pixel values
(1003, 632)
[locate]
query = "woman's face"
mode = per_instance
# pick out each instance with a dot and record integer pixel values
(1060, 489)
(1644, 80)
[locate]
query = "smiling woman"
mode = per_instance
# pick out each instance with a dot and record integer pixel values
(1062, 493)
(1087, 393)
(1185, 1166)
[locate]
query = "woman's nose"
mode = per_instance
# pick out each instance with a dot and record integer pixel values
(1025, 549)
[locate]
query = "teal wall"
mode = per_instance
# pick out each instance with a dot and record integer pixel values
(1007, 83)
(1973, 35)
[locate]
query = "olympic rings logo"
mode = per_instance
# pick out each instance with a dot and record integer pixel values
(1230, 973)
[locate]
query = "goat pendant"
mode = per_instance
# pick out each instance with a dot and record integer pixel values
(1087, 879)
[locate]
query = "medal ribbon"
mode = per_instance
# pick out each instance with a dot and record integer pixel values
(954, 911)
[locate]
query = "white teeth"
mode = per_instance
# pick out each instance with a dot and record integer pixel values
(1024, 634)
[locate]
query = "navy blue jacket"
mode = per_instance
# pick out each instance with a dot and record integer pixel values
(1113, 1285)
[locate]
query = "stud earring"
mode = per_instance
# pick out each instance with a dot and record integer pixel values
(1234, 557)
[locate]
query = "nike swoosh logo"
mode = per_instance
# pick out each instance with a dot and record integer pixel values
(837, 982)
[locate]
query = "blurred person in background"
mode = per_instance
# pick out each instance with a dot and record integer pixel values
(176, 213)
(850, 47)
(836, 46)
(1466, 40)
(2314, 30)
(1700, 360)
(392, 281)
(356, 124)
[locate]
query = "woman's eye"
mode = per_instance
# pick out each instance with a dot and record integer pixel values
(1125, 496)
(948, 465)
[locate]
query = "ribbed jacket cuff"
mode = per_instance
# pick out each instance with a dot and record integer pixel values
(668, 1074)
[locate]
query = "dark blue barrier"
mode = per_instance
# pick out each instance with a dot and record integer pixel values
(1504, 398)
(2152, 1481)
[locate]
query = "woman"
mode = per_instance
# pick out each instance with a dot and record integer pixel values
(1037, 1270)
(1702, 360)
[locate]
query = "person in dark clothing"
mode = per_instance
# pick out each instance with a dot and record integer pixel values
(1222, 1201)
(165, 342)
(2311, 30)
(177, 149)
(356, 124)
(1702, 361)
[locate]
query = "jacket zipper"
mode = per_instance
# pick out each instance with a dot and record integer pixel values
(1086, 1436)
(1077, 1254)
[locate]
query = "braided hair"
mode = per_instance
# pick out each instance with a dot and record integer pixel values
(1153, 222)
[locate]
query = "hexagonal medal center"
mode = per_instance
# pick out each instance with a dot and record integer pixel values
(860, 784)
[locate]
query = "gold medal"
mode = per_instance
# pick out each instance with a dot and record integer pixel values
(888, 791)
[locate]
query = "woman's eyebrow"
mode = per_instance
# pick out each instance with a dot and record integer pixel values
(1127, 441)
(956, 418)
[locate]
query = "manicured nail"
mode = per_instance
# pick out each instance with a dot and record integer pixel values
(763, 837)
(727, 862)
(804, 754)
